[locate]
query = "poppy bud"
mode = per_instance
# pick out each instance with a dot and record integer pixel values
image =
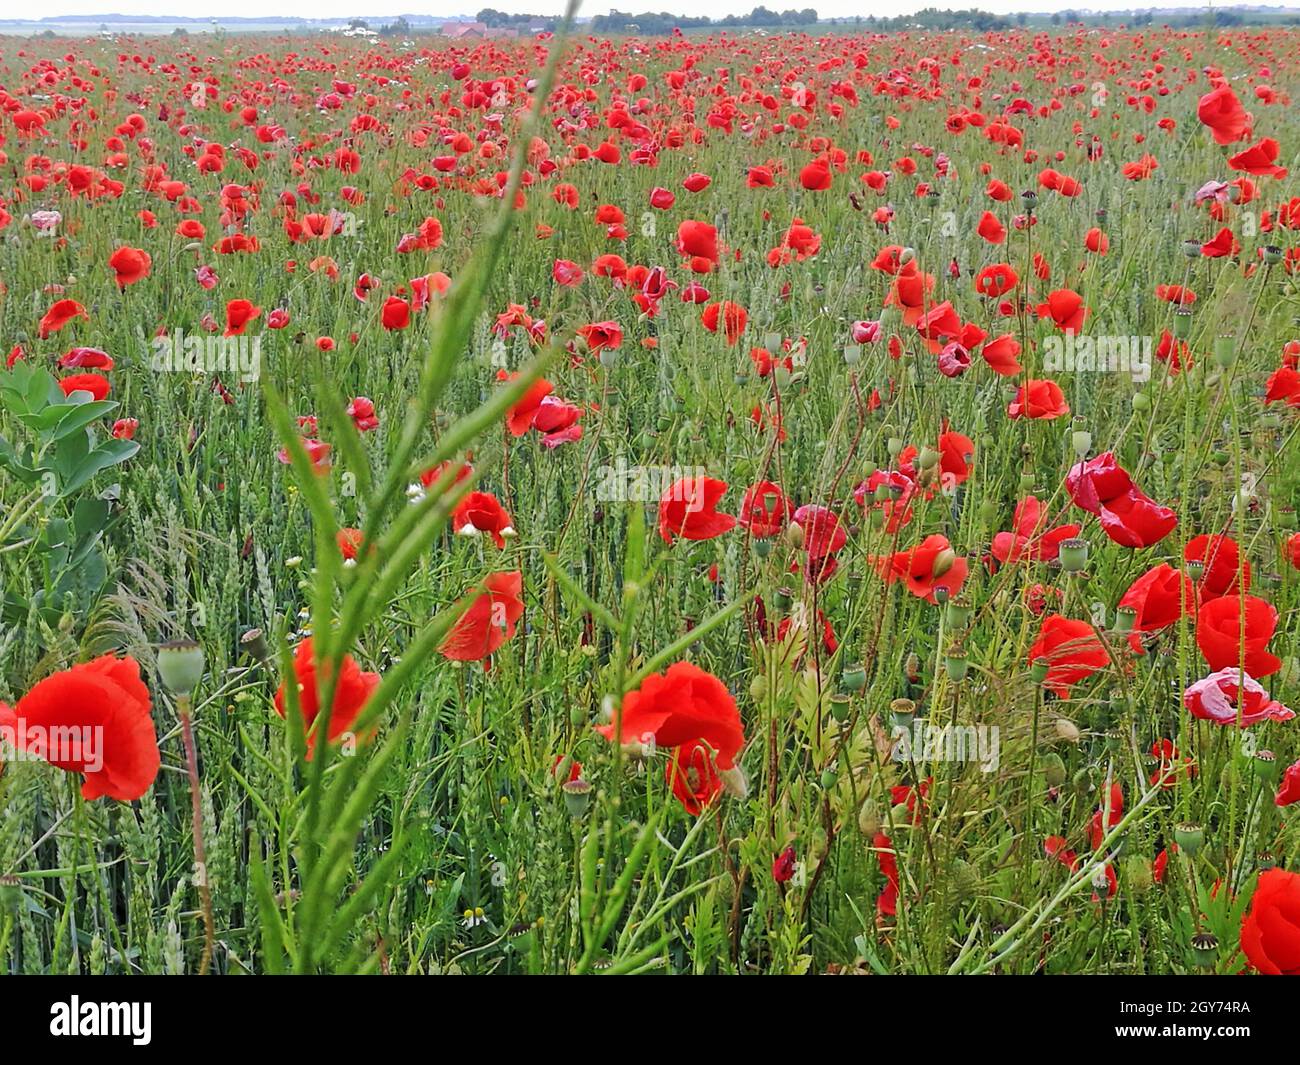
(869, 818)
(734, 782)
(943, 562)
(1138, 875)
(1053, 769)
(852, 354)
(987, 511)
(577, 795)
(1081, 441)
(895, 446)
(794, 535)
(180, 665)
(912, 668)
(906, 256)
(1189, 837)
(1067, 730)
(1026, 482)
(1205, 949)
(1225, 350)
(1141, 401)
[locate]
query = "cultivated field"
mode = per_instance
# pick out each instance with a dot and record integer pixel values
(721, 504)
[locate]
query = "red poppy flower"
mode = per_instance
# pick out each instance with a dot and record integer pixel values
(1219, 634)
(1288, 791)
(686, 509)
(1041, 400)
(732, 317)
(480, 512)
(1259, 159)
(238, 314)
(61, 312)
(96, 384)
(991, 229)
(520, 417)
(1027, 541)
(698, 241)
(396, 313)
(684, 705)
(1160, 597)
(94, 719)
(783, 866)
(1221, 111)
(1270, 929)
(129, 265)
(351, 694)
(1128, 515)
(764, 510)
(1071, 650)
(1001, 354)
(822, 533)
(928, 567)
(693, 777)
(996, 280)
(1223, 564)
(1066, 309)
(602, 336)
(489, 622)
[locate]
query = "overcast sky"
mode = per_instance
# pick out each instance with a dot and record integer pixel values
(375, 10)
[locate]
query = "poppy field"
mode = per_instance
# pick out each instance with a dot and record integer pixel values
(692, 504)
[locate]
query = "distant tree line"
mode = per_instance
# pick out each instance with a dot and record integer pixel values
(652, 23)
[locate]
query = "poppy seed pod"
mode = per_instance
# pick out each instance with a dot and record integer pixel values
(1038, 671)
(852, 354)
(1074, 555)
(1192, 249)
(1190, 837)
(1205, 949)
(956, 665)
(1183, 323)
(853, 678)
(254, 642)
(180, 666)
(1029, 198)
(959, 614)
(902, 712)
(577, 796)
(928, 458)
(1125, 617)
(841, 707)
(1272, 255)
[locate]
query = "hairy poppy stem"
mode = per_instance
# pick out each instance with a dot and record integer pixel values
(196, 812)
